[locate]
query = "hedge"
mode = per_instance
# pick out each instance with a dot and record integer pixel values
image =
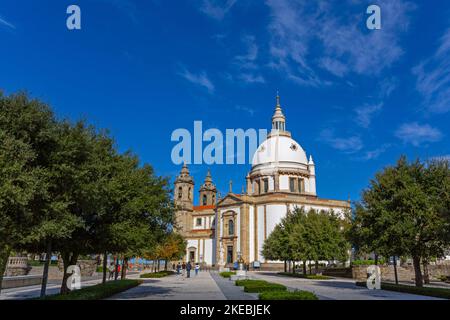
(96, 292)
(424, 291)
(248, 281)
(227, 274)
(305, 276)
(287, 295)
(158, 274)
(260, 286)
(367, 262)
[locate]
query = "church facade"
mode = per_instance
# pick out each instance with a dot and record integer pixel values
(282, 177)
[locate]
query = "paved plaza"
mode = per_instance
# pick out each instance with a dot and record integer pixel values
(210, 286)
(204, 286)
(336, 289)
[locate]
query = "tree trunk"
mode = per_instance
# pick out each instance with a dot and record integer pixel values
(48, 256)
(4, 256)
(124, 268)
(417, 271)
(426, 274)
(376, 259)
(316, 267)
(395, 270)
(309, 264)
(304, 267)
(105, 266)
(68, 260)
(165, 265)
(285, 266)
(116, 267)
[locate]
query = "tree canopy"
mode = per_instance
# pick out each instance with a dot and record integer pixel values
(64, 187)
(404, 211)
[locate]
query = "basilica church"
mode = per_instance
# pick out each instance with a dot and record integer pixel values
(220, 230)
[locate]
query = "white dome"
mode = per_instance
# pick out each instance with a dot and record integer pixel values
(279, 148)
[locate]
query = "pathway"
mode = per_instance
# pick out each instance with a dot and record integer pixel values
(336, 289)
(175, 287)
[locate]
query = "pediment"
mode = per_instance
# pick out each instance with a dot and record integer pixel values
(229, 199)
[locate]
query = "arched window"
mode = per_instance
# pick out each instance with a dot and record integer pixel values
(214, 198)
(180, 192)
(189, 194)
(205, 199)
(230, 227)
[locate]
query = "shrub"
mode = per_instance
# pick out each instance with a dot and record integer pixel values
(227, 274)
(260, 286)
(97, 292)
(264, 287)
(305, 276)
(367, 262)
(425, 291)
(248, 281)
(286, 295)
(158, 274)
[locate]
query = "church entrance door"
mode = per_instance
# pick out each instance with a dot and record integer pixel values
(229, 254)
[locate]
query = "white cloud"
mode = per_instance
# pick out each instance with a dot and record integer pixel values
(6, 23)
(373, 154)
(216, 9)
(200, 79)
(350, 144)
(417, 134)
(248, 110)
(365, 113)
(345, 45)
(433, 77)
(251, 78)
(246, 64)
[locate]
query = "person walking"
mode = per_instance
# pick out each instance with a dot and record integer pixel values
(178, 268)
(183, 267)
(188, 269)
(111, 271)
(197, 268)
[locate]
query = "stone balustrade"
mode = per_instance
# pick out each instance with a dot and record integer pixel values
(17, 266)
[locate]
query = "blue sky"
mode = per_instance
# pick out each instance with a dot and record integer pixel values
(356, 99)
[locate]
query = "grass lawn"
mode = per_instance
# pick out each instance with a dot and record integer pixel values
(158, 274)
(305, 276)
(227, 274)
(287, 295)
(98, 291)
(424, 291)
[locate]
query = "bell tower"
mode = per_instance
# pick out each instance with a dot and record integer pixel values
(183, 199)
(208, 191)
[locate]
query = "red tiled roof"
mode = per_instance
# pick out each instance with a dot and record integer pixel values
(200, 208)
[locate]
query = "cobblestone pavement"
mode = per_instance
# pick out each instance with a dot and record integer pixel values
(336, 289)
(230, 290)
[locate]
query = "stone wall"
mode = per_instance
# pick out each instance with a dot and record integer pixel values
(87, 267)
(405, 272)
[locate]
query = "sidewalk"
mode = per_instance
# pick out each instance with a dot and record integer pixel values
(175, 287)
(336, 289)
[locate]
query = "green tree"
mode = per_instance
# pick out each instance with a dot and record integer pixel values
(27, 133)
(312, 235)
(403, 212)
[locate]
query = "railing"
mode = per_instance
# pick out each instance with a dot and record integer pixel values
(17, 262)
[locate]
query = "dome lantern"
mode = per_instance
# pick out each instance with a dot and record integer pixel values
(278, 118)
